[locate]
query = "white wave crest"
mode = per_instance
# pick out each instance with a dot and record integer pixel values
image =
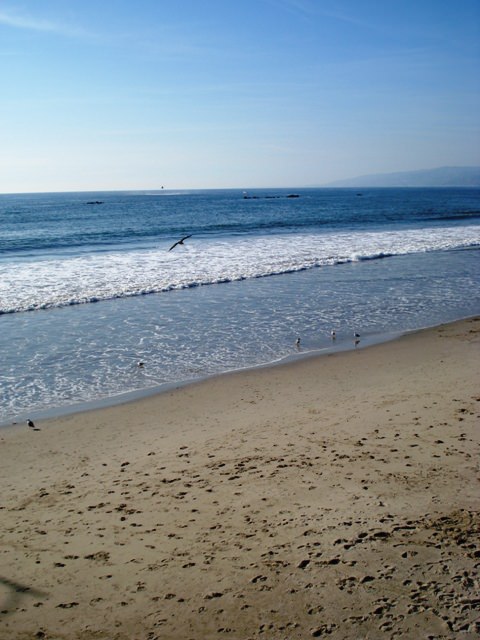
(47, 283)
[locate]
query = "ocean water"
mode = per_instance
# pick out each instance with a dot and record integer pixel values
(88, 286)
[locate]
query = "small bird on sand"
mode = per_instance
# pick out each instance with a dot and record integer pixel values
(333, 334)
(31, 424)
(179, 242)
(297, 342)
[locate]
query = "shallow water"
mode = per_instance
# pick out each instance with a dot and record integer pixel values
(64, 356)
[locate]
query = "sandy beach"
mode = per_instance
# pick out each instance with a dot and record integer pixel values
(333, 496)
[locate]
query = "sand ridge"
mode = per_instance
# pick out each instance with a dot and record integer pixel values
(332, 497)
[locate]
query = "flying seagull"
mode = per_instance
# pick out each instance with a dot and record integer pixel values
(179, 242)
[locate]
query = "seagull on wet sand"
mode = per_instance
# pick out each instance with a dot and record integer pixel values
(179, 242)
(31, 424)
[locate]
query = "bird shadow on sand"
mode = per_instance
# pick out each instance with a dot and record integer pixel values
(15, 593)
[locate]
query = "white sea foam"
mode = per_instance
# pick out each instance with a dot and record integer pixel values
(47, 283)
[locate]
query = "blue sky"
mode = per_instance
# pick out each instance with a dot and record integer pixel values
(221, 93)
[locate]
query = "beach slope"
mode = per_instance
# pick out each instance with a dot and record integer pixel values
(333, 496)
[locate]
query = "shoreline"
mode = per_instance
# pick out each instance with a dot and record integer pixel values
(139, 394)
(332, 495)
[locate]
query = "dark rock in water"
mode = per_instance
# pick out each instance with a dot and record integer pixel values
(290, 195)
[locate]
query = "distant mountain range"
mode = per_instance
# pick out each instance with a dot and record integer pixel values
(439, 177)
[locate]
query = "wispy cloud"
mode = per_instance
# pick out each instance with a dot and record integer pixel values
(299, 7)
(310, 9)
(19, 20)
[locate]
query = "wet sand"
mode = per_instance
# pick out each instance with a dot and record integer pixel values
(335, 496)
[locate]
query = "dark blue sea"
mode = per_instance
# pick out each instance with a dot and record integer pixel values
(89, 287)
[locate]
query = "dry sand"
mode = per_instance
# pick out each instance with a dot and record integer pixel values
(336, 496)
